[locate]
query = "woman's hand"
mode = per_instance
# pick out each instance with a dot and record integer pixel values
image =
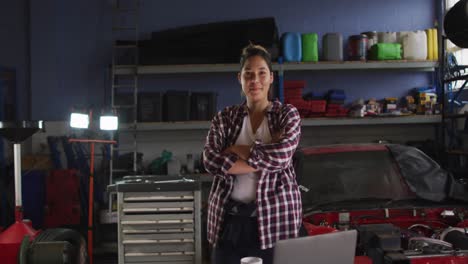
(276, 136)
(242, 151)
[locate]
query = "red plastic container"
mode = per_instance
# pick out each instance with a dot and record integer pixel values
(62, 198)
(318, 106)
(11, 238)
(294, 84)
(293, 92)
(336, 110)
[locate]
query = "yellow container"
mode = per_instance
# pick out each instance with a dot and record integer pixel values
(435, 43)
(430, 44)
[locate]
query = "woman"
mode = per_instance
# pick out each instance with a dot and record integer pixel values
(254, 199)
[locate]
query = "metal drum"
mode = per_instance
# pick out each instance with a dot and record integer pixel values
(357, 47)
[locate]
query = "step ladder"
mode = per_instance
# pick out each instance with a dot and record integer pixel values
(124, 90)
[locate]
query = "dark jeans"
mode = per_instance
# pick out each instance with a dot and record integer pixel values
(239, 238)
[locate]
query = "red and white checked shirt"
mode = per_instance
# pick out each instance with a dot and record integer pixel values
(278, 197)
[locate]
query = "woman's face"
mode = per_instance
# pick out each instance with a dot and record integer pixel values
(256, 79)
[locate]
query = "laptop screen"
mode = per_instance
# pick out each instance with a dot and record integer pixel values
(336, 247)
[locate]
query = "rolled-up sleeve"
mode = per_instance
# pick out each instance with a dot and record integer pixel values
(277, 156)
(215, 161)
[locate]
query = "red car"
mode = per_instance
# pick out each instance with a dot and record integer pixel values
(405, 207)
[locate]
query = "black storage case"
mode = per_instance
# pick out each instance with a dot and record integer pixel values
(219, 42)
(176, 106)
(202, 105)
(150, 107)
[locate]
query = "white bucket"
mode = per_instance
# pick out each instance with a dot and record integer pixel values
(387, 37)
(415, 45)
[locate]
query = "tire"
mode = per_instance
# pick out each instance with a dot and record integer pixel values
(71, 236)
(24, 250)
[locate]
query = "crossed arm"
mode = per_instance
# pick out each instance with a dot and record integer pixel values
(240, 166)
(239, 159)
(243, 152)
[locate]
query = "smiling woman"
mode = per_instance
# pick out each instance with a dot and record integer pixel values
(256, 74)
(254, 200)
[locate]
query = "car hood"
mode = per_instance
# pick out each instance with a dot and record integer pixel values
(425, 177)
(363, 175)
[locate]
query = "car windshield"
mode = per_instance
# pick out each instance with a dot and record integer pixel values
(351, 176)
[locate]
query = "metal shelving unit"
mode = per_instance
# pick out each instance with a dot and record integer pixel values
(396, 120)
(399, 65)
(318, 66)
(306, 122)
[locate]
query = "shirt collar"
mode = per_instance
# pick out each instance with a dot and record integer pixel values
(272, 107)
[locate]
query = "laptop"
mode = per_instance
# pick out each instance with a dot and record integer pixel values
(337, 247)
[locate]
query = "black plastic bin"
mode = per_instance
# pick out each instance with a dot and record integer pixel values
(150, 107)
(176, 106)
(202, 105)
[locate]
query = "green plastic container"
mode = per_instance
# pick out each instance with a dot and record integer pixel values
(309, 47)
(386, 51)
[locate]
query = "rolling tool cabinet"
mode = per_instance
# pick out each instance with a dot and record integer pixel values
(159, 221)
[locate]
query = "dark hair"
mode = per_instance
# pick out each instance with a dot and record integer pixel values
(255, 50)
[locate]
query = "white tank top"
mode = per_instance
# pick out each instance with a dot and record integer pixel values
(245, 185)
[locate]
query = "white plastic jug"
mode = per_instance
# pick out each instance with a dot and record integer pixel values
(387, 37)
(414, 45)
(400, 36)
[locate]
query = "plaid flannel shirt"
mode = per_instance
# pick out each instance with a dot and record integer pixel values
(278, 197)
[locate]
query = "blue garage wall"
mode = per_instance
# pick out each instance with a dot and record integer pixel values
(70, 51)
(71, 46)
(13, 49)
